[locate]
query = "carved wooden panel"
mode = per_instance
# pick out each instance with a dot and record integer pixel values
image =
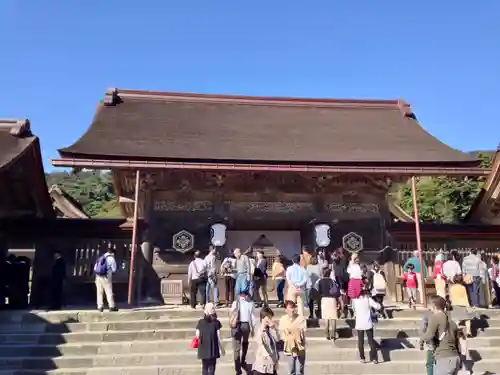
(249, 181)
(177, 206)
(352, 208)
(271, 207)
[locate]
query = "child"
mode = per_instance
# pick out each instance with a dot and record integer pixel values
(410, 278)
(429, 362)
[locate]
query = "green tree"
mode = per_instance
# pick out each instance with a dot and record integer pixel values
(93, 190)
(443, 199)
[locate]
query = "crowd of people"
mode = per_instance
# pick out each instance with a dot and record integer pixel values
(467, 282)
(330, 289)
(301, 278)
(333, 289)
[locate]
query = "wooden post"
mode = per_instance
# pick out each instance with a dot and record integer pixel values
(133, 250)
(419, 241)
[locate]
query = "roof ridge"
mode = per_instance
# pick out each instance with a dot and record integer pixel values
(17, 128)
(113, 96)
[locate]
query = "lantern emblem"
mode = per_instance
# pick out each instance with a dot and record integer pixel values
(322, 232)
(352, 242)
(183, 241)
(218, 234)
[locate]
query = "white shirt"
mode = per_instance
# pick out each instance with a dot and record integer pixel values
(246, 311)
(354, 271)
(195, 268)
(210, 261)
(451, 268)
(362, 307)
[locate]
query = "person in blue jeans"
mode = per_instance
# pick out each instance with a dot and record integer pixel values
(242, 272)
(278, 275)
(212, 282)
(471, 267)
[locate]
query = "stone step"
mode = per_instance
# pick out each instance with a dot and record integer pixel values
(345, 331)
(223, 368)
(167, 346)
(401, 324)
(158, 358)
(139, 325)
(88, 316)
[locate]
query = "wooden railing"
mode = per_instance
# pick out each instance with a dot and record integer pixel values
(82, 255)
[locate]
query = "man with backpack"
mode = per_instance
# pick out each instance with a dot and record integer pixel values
(104, 269)
(378, 285)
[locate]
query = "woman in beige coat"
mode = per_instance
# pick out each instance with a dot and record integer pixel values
(266, 339)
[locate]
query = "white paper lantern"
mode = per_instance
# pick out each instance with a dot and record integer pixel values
(322, 235)
(218, 234)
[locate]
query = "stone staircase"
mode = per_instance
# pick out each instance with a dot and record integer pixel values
(155, 341)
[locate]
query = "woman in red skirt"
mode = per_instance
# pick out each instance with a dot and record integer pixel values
(355, 285)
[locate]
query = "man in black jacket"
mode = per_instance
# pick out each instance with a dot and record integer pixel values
(339, 268)
(57, 282)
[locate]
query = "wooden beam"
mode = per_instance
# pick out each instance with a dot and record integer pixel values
(133, 250)
(383, 170)
(125, 200)
(118, 188)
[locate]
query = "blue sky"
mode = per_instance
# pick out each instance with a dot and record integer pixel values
(443, 57)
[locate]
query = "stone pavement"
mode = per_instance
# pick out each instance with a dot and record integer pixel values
(156, 341)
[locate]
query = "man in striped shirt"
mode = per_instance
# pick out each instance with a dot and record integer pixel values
(471, 267)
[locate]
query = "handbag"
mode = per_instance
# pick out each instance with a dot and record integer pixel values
(195, 343)
(234, 317)
(468, 279)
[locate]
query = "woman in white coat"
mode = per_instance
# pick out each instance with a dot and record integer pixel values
(363, 307)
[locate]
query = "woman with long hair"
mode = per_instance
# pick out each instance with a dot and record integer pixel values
(339, 274)
(266, 338)
(210, 345)
(329, 293)
(439, 279)
(355, 278)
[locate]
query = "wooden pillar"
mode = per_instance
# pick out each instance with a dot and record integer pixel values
(419, 240)
(145, 258)
(133, 250)
(389, 257)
